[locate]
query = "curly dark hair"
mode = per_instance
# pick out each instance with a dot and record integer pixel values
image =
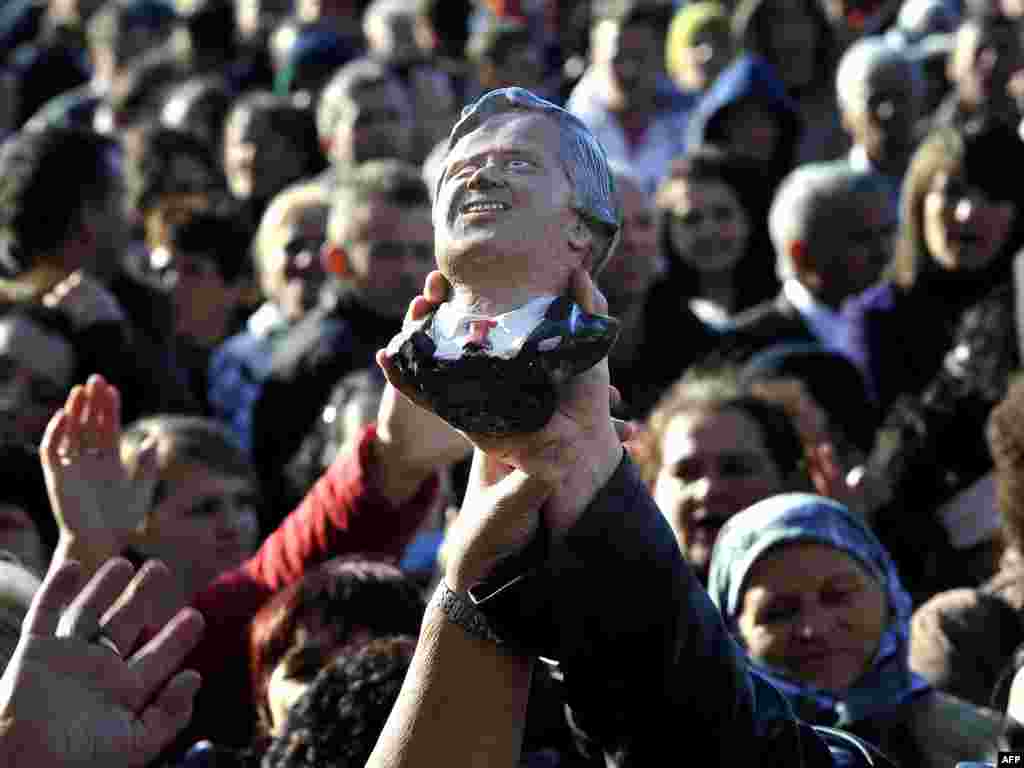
(1005, 434)
(312, 620)
(337, 721)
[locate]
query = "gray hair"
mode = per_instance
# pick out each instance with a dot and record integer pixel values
(809, 196)
(582, 156)
(864, 58)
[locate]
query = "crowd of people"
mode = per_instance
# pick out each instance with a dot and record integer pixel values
(781, 523)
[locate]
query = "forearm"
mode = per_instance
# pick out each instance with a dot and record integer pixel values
(463, 703)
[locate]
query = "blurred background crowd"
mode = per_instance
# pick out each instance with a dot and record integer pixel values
(223, 208)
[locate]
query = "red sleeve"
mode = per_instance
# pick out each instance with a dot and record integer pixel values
(343, 513)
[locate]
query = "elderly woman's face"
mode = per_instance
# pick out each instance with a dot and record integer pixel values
(815, 613)
(963, 229)
(714, 464)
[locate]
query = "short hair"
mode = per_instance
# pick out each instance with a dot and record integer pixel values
(281, 212)
(322, 613)
(864, 58)
(809, 195)
(217, 237)
(339, 717)
(495, 37)
(392, 181)
(186, 439)
(714, 390)
(582, 157)
(288, 119)
(47, 177)
(199, 106)
(337, 96)
(149, 172)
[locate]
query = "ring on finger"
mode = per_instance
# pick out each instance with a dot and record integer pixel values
(99, 637)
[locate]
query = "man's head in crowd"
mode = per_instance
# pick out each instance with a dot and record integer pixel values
(204, 517)
(364, 114)
(37, 367)
(379, 240)
(60, 203)
(832, 229)
(389, 27)
(123, 29)
(502, 53)
(256, 18)
(525, 197)
(203, 265)
(269, 143)
(637, 262)
(985, 56)
(879, 89)
(339, 604)
(627, 53)
(169, 174)
(287, 249)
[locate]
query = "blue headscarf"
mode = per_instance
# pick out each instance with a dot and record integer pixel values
(801, 517)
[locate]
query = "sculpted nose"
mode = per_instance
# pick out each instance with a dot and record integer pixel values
(487, 176)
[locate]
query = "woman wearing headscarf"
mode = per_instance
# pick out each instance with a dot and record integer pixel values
(814, 599)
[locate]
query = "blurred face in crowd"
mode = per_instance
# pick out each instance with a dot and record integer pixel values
(635, 264)
(342, 15)
(36, 367)
(714, 463)
(709, 228)
(202, 299)
(75, 12)
(963, 228)
(258, 161)
(204, 525)
(883, 119)
(793, 39)
(374, 124)
(750, 129)
(699, 63)
(256, 17)
(814, 612)
(385, 252)
(629, 58)
(849, 247)
(984, 59)
(391, 36)
(292, 273)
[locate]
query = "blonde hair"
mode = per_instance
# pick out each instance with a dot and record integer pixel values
(282, 211)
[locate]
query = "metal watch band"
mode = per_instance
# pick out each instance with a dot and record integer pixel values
(460, 610)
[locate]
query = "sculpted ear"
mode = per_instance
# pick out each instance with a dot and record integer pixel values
(581, 238)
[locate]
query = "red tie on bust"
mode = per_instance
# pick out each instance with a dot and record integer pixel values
(479, 330)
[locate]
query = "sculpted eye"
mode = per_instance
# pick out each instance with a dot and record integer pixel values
(518, 164)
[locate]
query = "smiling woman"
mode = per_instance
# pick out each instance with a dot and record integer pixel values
(814, 599)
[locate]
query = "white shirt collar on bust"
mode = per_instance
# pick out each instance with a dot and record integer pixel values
(452, 328)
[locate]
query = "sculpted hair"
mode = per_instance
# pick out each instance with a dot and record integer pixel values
(582, 156)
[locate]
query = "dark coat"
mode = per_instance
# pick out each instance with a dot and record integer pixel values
(772, 322)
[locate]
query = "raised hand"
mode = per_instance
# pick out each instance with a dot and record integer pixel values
(74, 694)
(97, 500)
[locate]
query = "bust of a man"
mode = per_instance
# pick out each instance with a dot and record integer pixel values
(525, 197)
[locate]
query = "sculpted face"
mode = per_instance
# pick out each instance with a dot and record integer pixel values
(503, 216)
